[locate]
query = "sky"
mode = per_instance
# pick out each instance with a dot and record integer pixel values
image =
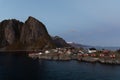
(90, 22)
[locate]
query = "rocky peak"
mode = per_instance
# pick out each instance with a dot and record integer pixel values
(32, 30)
(9, 31)
(35, 35)
(31, 19)
(16, 35)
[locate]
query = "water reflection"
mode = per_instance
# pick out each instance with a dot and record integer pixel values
(13, 67)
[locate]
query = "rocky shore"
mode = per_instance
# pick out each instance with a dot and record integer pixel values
(70, 56)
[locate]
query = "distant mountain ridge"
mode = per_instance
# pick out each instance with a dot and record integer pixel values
(77, 45)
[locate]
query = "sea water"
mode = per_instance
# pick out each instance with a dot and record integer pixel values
(16, 67)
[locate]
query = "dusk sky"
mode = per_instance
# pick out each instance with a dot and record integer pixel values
(90, 22)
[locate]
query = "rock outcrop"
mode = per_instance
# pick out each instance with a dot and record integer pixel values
(35, 35)
(31, 35)
(60, 42)
(9, 32)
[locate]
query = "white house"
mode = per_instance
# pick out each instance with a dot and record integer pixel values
(68, 52)
(47, 52)
(40, 53)
(92, 50)
(80, 51)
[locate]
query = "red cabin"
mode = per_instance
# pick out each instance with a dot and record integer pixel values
(102, 55)
(93, 55)
(112, 56)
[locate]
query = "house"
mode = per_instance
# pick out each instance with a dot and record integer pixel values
(80, 51)
(68, 52)
(92, 50)
(40, 53)
(47, 52)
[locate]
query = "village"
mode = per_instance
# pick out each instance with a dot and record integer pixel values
(80, 54)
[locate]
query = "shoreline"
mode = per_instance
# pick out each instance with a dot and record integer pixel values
(89, 59)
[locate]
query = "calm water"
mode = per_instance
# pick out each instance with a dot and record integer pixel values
(24, 68)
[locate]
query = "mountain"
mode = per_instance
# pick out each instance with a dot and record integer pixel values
(9, 32)
(77, 45)
(31, 35)
(60, 42)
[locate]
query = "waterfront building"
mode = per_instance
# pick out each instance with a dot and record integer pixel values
(92, 50)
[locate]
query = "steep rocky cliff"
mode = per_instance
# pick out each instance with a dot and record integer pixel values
(31, 35)
(9, 32)
(34, 34)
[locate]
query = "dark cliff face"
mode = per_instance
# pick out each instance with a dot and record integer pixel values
(35, 35)
(32, 30)
(60, 42)
(15, 35)
(9, 32)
